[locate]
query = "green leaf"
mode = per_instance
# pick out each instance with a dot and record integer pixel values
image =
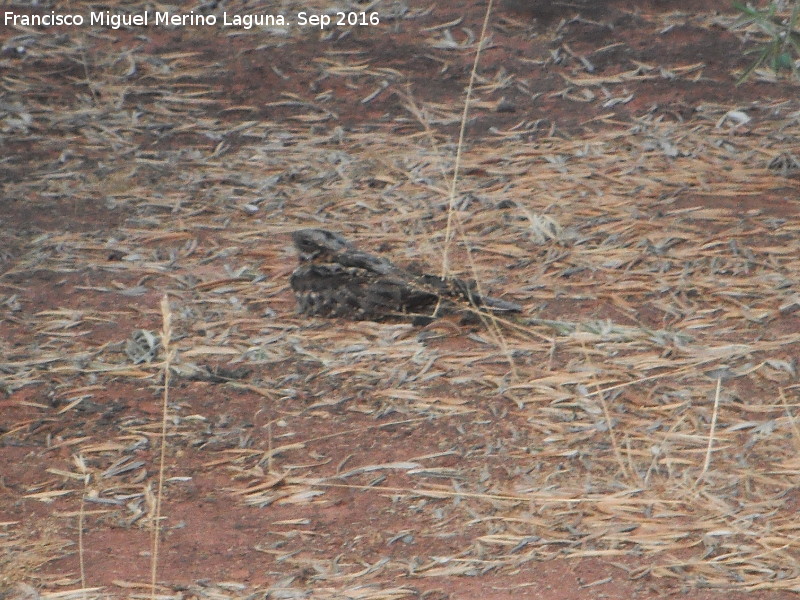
(784, 61)
(746, 9)
(781, 48)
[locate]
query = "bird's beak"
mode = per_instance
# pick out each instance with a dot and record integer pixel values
(308, 256)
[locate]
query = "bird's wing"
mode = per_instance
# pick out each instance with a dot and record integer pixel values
(466, 290)
(333, 289)
(368, 262)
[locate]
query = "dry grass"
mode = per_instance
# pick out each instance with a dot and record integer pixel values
(652, 405)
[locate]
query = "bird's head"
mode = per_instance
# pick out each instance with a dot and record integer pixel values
(313, 244)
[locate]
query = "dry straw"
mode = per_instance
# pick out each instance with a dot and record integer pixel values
(166, 338)
(653, 409)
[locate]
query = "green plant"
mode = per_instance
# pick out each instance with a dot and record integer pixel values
(781, 48)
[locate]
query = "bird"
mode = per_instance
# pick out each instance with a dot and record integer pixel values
(334, 278)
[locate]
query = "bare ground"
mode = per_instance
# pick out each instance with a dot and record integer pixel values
(632, 436)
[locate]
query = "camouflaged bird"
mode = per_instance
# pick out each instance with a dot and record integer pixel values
(335, 279)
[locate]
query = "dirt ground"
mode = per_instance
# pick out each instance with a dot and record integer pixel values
(631, 435)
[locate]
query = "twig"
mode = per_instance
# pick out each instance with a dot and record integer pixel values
(166, 334)
(711, 432)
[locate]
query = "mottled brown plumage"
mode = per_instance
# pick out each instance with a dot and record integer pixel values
(335, 279)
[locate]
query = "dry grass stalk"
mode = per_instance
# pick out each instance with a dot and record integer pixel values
(711, 431)
(81, 520)
(634, 247)
(460, 144)
(166, 337)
